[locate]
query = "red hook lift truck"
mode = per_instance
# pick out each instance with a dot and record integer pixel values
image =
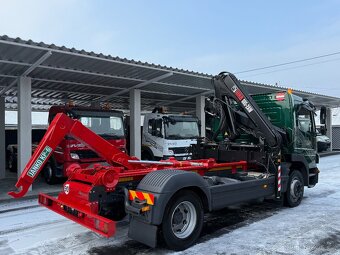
(268, 151)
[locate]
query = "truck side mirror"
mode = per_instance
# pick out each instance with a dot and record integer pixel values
(323, 115)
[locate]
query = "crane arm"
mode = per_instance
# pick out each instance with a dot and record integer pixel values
(227, 87)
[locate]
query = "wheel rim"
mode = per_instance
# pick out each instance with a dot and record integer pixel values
(183, 219)
(296, 190)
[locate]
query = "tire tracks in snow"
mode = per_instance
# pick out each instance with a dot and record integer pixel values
(18, 209)
(29, 227)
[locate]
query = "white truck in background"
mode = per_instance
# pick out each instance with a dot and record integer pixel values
(168, 135)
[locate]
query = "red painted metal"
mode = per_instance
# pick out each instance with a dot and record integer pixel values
(93, 221)
(54, 134)
(98, 176)
(75, 201)
(61, 126)
(77, 189)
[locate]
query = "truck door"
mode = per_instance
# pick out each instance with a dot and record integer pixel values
(305, 138)
(154, 137)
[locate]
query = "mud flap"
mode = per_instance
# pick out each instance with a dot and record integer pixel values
(143, 232)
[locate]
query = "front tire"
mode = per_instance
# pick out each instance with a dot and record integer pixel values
(50, 173)
(295, 189)
(146, 155)
(183, 220)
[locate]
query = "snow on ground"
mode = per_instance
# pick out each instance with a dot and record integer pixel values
(311, 228)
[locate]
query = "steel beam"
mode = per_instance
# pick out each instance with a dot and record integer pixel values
(2, 139)
(200, 113)
(135, 123)
(138, 86)
(28, 70)
(37, 63)
(190, 97)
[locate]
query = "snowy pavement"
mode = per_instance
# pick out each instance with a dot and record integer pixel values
(311, 228)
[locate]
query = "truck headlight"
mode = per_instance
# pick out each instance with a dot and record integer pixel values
(74, 155)
(171, 152)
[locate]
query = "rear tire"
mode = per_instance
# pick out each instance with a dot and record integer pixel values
(295, 189)
(183, 220)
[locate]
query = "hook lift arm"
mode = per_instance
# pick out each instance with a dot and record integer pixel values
(61, 126)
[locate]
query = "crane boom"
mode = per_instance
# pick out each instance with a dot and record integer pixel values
(251, 118)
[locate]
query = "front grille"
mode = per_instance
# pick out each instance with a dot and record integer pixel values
(180, 150)
(86, 154)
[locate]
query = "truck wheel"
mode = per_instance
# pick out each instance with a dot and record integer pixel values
(295, 189)
(12, 163)
(183, 220)
(49, 174)
(147, 156)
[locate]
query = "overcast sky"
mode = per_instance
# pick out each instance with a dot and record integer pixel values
(204, 36)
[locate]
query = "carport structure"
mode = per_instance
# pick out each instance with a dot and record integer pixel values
(34, 76)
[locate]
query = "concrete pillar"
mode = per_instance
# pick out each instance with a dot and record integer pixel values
(329, 125)
(2, 138)
(135, 123)
(24, 123)
(200, 104)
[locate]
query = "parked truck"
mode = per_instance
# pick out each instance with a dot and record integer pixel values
(106, 123)
(167, 135)
(268, 151)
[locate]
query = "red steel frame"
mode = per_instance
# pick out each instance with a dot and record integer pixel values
(73, 202)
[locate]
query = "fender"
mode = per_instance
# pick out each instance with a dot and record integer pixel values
(298, 158)
(164, 184)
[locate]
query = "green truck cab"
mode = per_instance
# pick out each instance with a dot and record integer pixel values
(296, 117)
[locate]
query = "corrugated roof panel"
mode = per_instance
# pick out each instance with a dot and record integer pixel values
(86, 76)
(101, 66)
(12, 69)
(82, 77)
(167, 89)
(19, 53)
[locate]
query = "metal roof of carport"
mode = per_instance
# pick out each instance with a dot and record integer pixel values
(60, 74)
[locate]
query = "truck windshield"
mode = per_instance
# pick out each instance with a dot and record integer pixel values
(181, 130)
(105, 126)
